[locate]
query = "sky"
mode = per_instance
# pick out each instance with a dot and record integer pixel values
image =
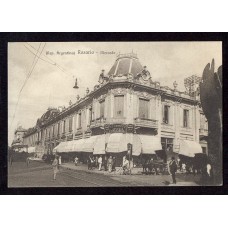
(51, 85)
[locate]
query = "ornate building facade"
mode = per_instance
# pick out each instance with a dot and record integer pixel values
(127, 106)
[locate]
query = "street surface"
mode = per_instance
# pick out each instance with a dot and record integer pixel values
(40, 174)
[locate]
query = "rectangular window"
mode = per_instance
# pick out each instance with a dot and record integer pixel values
(102, 107)
(64, 126)
(143, 108)
(70, 123)
(79, 120)
(118, 106)
(166, 114)
(58, 128)
(186, 118)
(53, 131)
(90, 115)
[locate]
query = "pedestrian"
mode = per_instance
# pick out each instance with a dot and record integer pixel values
(209, 173)
(96, 161)
(114, 163)
(125, 165)
(60, 160)
(11, 160)
(100, 162)
(55, 167)
(76, 161)
(173, 169)
(109, 164)
(183, 167)
(27, 161)
(105, 163)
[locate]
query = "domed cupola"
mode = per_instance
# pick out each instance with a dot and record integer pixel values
(126, 68)
(126, 64)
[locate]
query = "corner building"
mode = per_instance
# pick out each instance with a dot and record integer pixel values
(126, 107)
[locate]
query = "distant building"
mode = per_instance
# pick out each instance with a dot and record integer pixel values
(18, 141)
(127, 106)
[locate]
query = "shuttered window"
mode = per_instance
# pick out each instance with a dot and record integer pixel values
(58, 128)
(143, 108)
(64, 126)
(70, 123)
(186, 118)
(79, 120)
(118, 106)
(102, 107)
(166, 114)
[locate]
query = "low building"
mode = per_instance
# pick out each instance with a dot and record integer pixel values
(18, 144)
(127, 107)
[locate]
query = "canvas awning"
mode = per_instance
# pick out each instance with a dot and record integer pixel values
(117, 143)
(99, 145)
(69, 146)
(150, 143)
(31, 149)
(189, 148)
(88, 145)
(137, 145)
(78, 145)
(60, 148)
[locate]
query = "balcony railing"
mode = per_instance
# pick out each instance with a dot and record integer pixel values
(99, 122)
(141, 122)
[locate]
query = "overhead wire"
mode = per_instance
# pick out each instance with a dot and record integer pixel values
(35, 60)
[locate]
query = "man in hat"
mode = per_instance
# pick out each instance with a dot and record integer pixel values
(173, 169)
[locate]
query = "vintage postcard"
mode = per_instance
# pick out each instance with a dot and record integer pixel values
(114, 114)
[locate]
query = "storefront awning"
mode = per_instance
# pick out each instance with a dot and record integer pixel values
(137, 146)
(78, 145)
(88, 145)
(117, 143)
(150, 144)
(31, 149)
(99, 145)
(60, 148)
(189, 148)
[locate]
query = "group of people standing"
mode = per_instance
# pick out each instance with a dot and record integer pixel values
(109, 163)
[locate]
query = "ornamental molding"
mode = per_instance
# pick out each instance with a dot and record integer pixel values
(144, 95)
(119, 91)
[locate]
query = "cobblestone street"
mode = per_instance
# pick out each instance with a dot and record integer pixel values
(40, 174)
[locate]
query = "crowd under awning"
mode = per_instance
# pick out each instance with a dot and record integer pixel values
(190, 148)
(113, 143)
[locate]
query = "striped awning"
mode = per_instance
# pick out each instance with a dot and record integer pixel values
(190, 148)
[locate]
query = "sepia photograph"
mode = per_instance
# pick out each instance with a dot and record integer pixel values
(115, 114)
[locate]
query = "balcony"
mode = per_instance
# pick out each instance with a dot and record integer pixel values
(203, 132)
(149, 123)
(99, 122)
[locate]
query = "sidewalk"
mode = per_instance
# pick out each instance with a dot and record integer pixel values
(84, 167)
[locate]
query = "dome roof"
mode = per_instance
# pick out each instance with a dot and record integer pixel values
(126, 64)
(51, 112)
